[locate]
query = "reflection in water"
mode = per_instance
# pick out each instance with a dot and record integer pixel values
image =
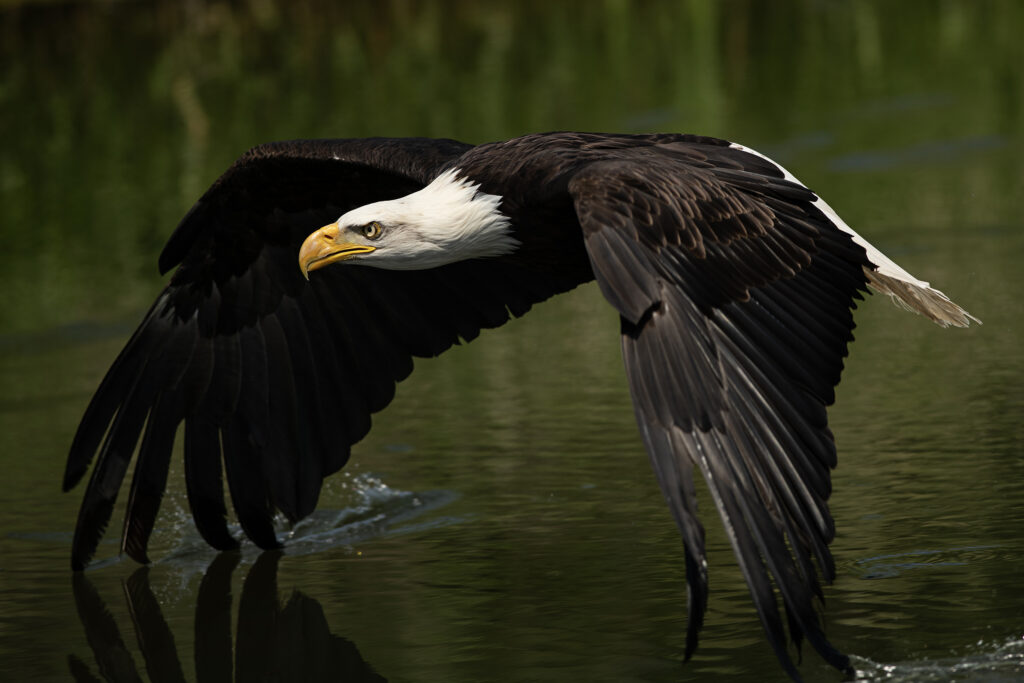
(274, 642)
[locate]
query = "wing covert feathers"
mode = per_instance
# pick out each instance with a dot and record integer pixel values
(882, 273)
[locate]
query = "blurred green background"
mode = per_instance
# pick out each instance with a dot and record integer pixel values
(540, 549)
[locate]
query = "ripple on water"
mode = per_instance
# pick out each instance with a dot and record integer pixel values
(887, 566)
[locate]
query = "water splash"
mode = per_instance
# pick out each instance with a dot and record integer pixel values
(378, 510)
(994, 662)
(373, 509)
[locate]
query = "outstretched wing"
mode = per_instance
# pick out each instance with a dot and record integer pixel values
(735, 294)
(274, 376)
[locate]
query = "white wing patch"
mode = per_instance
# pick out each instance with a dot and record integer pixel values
(886, 276)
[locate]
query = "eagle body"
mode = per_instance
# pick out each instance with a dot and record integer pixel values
(734, 284)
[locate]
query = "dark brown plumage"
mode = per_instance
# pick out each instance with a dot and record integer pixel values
(734, 284)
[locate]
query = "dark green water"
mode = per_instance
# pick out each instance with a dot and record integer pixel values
(501, 523)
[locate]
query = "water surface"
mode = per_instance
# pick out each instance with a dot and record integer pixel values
(501, 521)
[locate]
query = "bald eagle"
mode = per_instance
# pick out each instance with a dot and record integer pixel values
(734, 284)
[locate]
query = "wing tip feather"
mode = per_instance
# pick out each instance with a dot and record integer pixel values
(920, 298)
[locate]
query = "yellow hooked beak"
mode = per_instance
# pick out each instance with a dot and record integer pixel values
(322, 248)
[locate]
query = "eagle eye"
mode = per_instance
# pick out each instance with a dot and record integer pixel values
(372, 231)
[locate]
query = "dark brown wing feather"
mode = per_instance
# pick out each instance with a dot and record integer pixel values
(274, 376)
(735, 294)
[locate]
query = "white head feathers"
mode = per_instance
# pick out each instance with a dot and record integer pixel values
(449, 220)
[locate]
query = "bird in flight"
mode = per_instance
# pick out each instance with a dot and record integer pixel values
(312, 272)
